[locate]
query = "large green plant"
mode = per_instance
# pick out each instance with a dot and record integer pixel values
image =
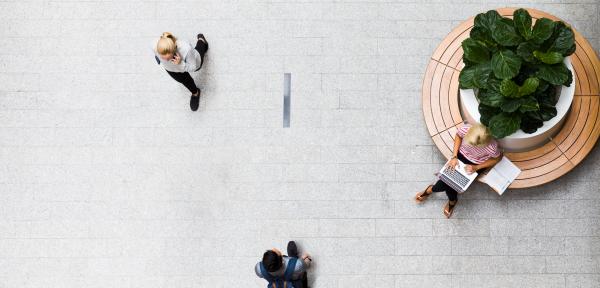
(516, 69)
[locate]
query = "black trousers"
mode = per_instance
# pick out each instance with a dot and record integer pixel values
(303, 282)
(184, 77)
(440, 186)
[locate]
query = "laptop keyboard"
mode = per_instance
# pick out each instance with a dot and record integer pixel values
(456, 177)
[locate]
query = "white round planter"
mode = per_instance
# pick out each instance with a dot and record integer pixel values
(521, 141)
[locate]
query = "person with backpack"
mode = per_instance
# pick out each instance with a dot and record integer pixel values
(284, 271)
(179, 58)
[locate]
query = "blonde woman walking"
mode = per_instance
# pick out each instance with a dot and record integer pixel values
(179, 58)
(474, 146)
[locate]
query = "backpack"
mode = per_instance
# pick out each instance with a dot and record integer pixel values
(277, 282)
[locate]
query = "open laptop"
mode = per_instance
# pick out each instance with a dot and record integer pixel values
(457, 178)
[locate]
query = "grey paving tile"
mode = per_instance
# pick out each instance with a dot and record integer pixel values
(583, 280)
(490, 264)
(517, 227)
(461, 227)
(336, 227)
(419, 280)
(537, 246)
(423, 246)
(573, 264)
(480, 245)
(404, 227)
(515, 280)
(582, 245)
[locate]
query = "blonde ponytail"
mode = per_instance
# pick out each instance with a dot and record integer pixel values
(166, 44)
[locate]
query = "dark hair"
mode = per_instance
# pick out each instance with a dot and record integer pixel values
(272, 261)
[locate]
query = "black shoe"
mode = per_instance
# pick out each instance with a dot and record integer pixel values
(292, 249)
(201, 36)
(195, 101)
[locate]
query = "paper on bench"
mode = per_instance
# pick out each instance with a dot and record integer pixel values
(501, 175)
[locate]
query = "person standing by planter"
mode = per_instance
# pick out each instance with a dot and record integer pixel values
(179, 58)
(474, 146)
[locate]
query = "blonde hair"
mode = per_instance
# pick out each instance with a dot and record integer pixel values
(166, 44)
(478, 135)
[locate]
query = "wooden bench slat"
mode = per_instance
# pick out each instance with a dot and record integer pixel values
(455, 57)
(426, 90)
(445, 96)
(581, 77)
(541, 160)
(542, 179)
(453, 95)
(448, 137)
(439, 142)
(569, 123)
(586, 129)
(445, 140)
(587, 147)
(587, 67)
(579, 124)
(532, 154)
(543, 169)
(435, 98)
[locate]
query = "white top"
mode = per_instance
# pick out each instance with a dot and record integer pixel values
(190, 58)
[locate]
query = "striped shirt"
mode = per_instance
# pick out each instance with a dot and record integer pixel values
(476, 154)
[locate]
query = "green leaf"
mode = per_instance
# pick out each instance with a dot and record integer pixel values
(530, 124)
(542, 30)
(487, 20)
(529, 104)
(522, 21)
(548, 57)
(511, 105)
(564, 40)
(465, 79)
(493, 83)
(542, 86)
(557, 74)
(506, 64)
(475, 76)
(484, 36)
(505, 34)
(548, 96)
(474, 51)
(534, 115)
(525, 51)
(482, 75)
(487, 112)
(570, 51)
(509, 88)
(525, 104)
(547, 112)
(490, 98)
(569, 79)
(529, 86)
(504, 124)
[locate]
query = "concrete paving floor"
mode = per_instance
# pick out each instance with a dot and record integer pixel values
(108, 180)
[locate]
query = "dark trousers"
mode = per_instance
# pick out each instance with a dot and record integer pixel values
(184, 77)
(300, 283)
(440, 186)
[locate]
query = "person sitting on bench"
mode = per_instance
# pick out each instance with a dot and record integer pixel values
(474, 146)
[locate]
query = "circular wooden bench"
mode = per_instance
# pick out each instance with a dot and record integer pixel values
(561, 153)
